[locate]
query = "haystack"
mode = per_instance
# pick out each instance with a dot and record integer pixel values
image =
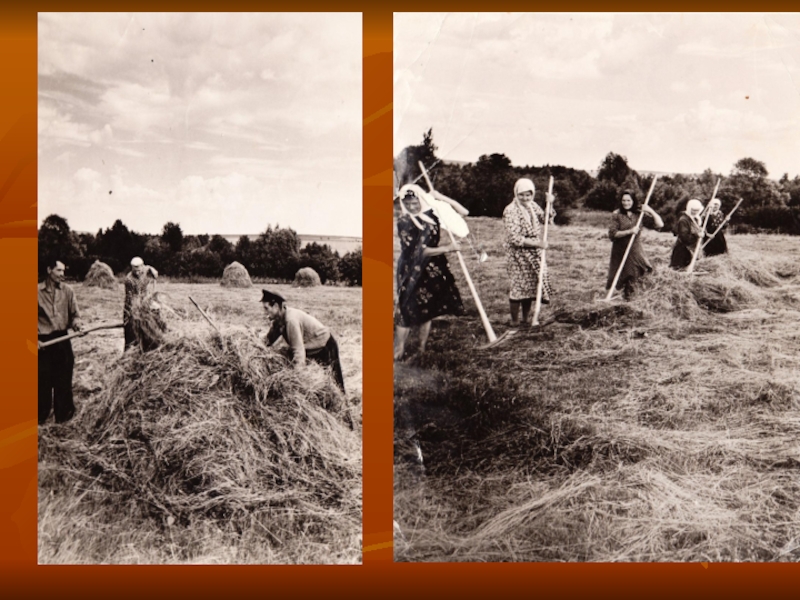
(235, 275)
(148, 324)
(306, 277)
(216, 429)
(100, 275)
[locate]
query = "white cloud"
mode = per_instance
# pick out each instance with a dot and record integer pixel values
(128, 151)
(201, 146)
(147, 100)
(101, 136)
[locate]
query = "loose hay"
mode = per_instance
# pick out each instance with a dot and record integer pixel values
(215, 429)
(148, 324)
(655, 429)
(306, 277)
(235, 275)
(100, 275)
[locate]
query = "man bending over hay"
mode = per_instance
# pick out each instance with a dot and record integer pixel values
(305, 335)
(139, 284)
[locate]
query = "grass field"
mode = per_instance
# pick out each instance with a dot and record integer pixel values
(80, 521)
(664, 429)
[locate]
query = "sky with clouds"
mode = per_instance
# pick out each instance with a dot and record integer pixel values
(671, 92)
(224, 123)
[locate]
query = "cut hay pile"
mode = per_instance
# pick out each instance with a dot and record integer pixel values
(148, 324)
(306, 277)
(719, 285)
(235, 275)
(660, 429)
(722, 284)
(100, 275)
(214, 430)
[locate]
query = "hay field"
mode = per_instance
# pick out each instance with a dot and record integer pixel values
(664, 429)
(210, 449)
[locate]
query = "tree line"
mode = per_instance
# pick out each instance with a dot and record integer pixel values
(274, 254)
(485, 187)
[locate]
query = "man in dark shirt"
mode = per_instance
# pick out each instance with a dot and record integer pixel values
(58, 312)
(305, 335)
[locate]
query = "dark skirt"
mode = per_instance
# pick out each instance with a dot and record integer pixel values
(636, 265)
(681, 256)
(717, 245)
(435, 294)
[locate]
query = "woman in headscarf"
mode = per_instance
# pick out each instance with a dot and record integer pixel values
(623, 226)
(688, 229)
(425, 286)
(717, 244)
(523, 220)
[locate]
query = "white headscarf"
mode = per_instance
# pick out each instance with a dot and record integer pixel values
(525, 185)
(715, 204)
(694, 204)
(420, 194)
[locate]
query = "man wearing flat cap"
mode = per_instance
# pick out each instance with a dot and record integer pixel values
(58, 312)
(305, 335)
(139, 284)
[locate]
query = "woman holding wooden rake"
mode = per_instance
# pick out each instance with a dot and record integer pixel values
(425, 286)
(689, 229)
(716, 223)
(523, 220)
(624, 224)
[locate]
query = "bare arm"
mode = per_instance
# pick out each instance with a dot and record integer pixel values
(437, 250)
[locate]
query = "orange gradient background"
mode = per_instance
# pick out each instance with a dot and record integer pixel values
(378, 576)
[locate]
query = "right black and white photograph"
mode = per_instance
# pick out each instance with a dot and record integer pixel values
(597, 287)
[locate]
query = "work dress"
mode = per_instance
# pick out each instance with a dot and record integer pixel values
(637, 264)
(425, 286)
(523, 262)
(688, 232)
(717, 244)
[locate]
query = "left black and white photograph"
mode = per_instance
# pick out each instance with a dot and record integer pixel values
(199, 288)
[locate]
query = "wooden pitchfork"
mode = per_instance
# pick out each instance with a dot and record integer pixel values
(207, 318)
(75, 334)
(540, 285)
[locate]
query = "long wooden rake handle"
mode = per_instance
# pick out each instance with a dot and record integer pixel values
(721, 225)
(202, 312)
(540, 285)
(74, 334)
(697, 246)
(630, 242)
(484, 319)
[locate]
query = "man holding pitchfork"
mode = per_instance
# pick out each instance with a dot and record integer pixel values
(58, 312)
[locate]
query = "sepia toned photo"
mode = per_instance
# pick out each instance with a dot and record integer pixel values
(597, 287)
(199, 298)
